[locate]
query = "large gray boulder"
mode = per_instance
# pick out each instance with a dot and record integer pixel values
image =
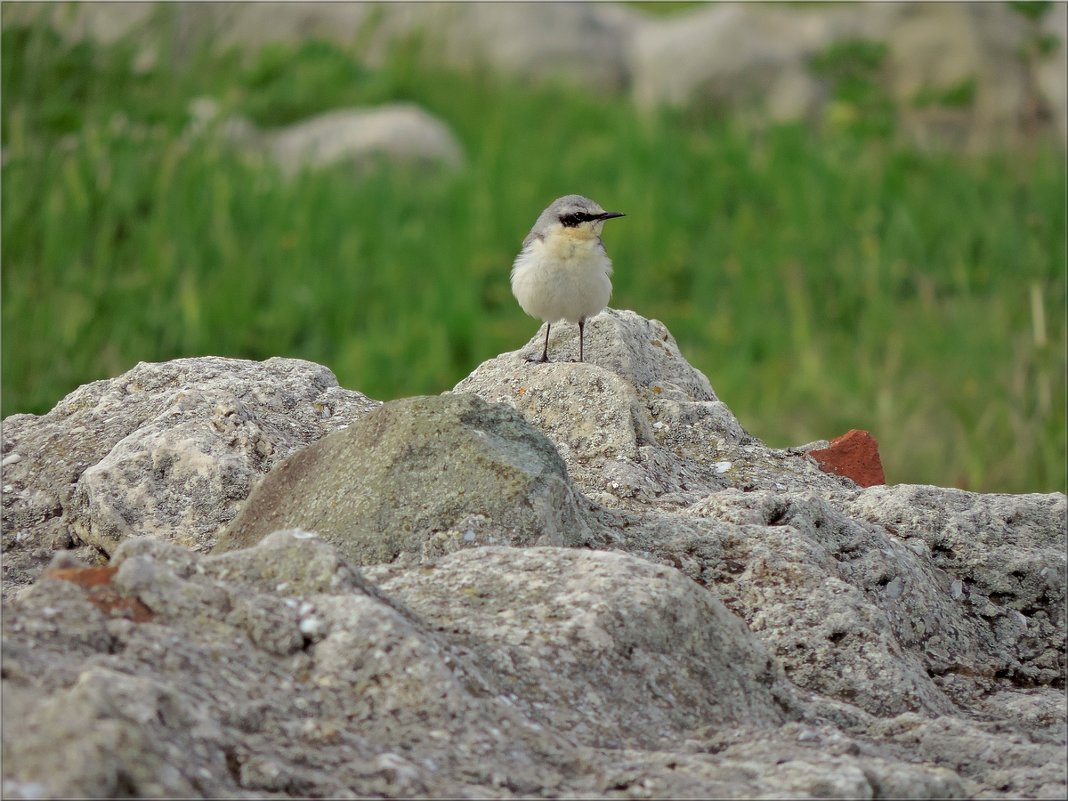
(164, 450)
(559, 579)
(825, 572)
(756, 58)
(417, 477)
(638, 426)
(396, 132)
(360, 137)
(496, 672)
(272, 670)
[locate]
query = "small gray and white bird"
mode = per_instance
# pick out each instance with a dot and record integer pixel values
(562, 272)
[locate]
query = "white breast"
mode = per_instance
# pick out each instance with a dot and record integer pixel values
(565, 280)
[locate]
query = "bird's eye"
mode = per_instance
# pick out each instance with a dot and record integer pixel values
(574, 218)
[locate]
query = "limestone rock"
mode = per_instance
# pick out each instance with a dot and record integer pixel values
(755, 58)
(1003, 556)
(730, 53)
(458, 681)
(1051, 69)
(636, 423)
(581, 43)
(670, 653)
(362, 137)
(419, 477)
(165, 450)
(397, 132)
(751, 59)
(747, 625)
(326, 690)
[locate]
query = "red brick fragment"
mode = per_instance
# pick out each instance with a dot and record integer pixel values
(854, 455)
(97, 584)
(84, 576)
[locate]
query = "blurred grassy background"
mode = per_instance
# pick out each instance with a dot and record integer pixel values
(823, 280)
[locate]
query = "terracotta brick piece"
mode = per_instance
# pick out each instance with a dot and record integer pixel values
(854, 455)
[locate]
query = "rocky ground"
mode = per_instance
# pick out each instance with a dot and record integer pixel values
(580, 580)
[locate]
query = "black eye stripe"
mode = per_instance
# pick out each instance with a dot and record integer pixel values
(571, 220)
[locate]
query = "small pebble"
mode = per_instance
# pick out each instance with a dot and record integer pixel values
(311, 626)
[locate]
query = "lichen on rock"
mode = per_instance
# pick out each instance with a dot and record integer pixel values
(382, 488)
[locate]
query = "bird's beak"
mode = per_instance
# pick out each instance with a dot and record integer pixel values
(608, 215)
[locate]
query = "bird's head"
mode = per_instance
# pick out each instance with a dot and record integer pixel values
(573, 216)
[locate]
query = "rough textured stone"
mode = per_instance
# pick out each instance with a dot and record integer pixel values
(637, 425)
(165, 450)
(824, 589)
(497, 672)
(326, 690)
(435, 473)
(674, 657)
(749, 626)
(1004, 557)
(854, 455)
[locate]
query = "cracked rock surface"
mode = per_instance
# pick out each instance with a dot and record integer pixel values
(562, 580)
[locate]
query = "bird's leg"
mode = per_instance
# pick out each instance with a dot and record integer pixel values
(582, 325)
(545, 351)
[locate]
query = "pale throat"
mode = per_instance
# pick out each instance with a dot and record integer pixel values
(571, 243)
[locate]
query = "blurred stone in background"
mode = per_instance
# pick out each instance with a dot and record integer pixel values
(969, 76)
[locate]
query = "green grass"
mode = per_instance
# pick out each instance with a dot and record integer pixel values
(822, 281)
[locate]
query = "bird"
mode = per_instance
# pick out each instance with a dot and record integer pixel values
(562, 271)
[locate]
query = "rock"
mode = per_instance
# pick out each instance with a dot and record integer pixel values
(581, 43)
(97, 582)
(674, 657)
(1006, 555)
(696, 615)
(636, 423)
(488, 683)
(165, 450)
(936, 49)
(205, 702)
(1051, 68)
(418, 477)
(107, 24)
(756, 58)
(823, 590)
(854, 455)
(734, 54)
(400, 133)
(969, 75)
(397, 132)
